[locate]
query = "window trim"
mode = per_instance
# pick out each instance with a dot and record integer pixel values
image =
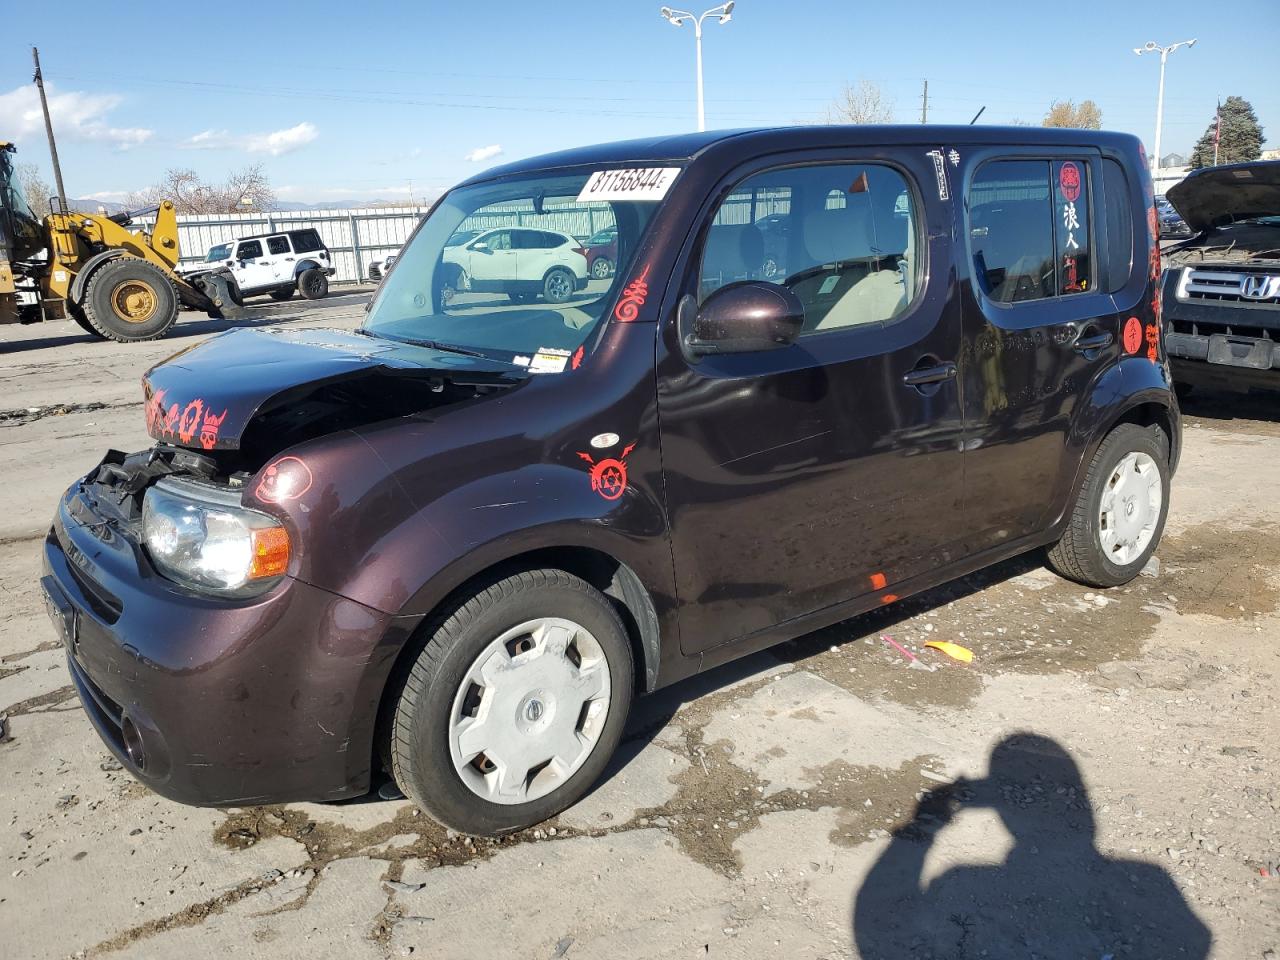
(1083, 156)
(706, 216)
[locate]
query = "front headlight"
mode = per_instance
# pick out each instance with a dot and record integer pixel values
(201, 537)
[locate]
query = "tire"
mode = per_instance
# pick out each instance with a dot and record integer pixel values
(601, 268)
(1083, 554)
(443, 689)
(313, 284)
(282, 294)
(558, 285)
(76, 313)
(129, 300)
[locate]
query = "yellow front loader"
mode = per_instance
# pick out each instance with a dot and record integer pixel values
(116, 283)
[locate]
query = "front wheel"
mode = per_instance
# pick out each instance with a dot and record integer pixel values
(313, 284)
(1120, 512)
(515, 704)
(129, 300)
(558, 286)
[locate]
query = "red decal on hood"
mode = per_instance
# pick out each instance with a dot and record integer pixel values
(286, 479)
(182, 424)
(609, 476)
(577, 359)
(633, 298)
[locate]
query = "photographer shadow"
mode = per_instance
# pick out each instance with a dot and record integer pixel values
(1054, 895)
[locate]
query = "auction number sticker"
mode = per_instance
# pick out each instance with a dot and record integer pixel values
(637, 183)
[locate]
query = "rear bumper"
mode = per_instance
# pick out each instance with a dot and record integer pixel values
(216, 702)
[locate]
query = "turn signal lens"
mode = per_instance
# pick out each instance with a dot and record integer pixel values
(270, 553)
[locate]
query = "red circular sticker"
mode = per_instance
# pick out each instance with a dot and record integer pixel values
(1069, 181)
(1133, 335)
(286, 479)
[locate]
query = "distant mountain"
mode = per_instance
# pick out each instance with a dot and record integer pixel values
(90, 205)
(339, 204)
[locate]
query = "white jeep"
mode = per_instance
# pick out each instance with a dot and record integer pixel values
(274, 263)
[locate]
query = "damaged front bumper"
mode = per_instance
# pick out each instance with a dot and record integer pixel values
(210, 701)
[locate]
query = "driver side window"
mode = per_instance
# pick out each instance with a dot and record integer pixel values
(842, 237)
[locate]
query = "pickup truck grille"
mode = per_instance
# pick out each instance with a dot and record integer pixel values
(1213, 284)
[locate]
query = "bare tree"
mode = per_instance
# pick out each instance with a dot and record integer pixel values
(864, 103)
(35, 188)
(1065, 113)
(247, 189)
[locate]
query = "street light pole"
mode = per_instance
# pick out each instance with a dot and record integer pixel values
(723, 13)
(1152, 47)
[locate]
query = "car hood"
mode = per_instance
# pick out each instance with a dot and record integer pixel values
(1215, 196)
(205, 396)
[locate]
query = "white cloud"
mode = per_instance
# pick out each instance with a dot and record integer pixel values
(480, 154)
(276, 143)
(76, 116)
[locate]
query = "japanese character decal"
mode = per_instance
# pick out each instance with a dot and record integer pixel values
(1153, 342)
(609, 476)
(1132, 335)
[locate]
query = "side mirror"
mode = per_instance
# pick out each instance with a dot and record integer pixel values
(742, 317)
(481, 247)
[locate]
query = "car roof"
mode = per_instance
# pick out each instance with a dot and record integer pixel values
(273, 233)
(764, 140)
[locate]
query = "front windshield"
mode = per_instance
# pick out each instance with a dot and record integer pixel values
(498, 268)
(220, 252)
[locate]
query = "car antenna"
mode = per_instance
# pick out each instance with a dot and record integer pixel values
(977, 115)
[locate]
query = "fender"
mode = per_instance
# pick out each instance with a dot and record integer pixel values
(1127, 385)
(305, 265)
(76, 293)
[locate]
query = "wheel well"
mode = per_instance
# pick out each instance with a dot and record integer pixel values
(304, 265)
(562, 268)
(1153, 415)
(615, 580)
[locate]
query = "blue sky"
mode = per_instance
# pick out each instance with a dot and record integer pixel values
(374, 100)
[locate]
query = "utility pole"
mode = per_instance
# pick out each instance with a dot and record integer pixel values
(48, 129)
(924, 103)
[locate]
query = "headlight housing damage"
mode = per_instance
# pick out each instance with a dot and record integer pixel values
(201, 537)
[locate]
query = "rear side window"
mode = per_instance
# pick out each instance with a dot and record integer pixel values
(537, 240)
(1119, 257)
(841, 237)
(249, 250)
(1029, 229)
(277, 244)
(306, 241)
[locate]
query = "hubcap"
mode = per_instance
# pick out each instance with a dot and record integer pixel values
(134, 301)
(1130, 508)
(558, 286)
(529, 711)
(601, 268)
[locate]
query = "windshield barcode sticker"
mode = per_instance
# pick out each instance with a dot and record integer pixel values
(641, 183)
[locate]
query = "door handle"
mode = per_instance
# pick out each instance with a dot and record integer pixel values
(925, 375)
(1097, 341)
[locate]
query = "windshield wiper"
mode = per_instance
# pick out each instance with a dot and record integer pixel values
(430, 345)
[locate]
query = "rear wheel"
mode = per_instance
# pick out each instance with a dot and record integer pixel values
(313, 284)
(1120, 512)
(515, 704)
(602, 268)
(558, 285)
(129, 300)
(283, 293)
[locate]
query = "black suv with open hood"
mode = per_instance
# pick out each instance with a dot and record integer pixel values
(1222, 287)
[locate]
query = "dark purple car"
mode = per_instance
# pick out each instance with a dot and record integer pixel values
(456, 543)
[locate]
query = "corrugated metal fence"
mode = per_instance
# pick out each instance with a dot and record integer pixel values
(355, 238)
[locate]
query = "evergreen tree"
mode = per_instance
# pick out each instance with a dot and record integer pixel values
(1240, 139)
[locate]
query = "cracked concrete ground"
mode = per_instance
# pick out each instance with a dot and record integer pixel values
(1101, 780)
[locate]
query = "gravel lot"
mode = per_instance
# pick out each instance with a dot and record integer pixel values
(1119, 754)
